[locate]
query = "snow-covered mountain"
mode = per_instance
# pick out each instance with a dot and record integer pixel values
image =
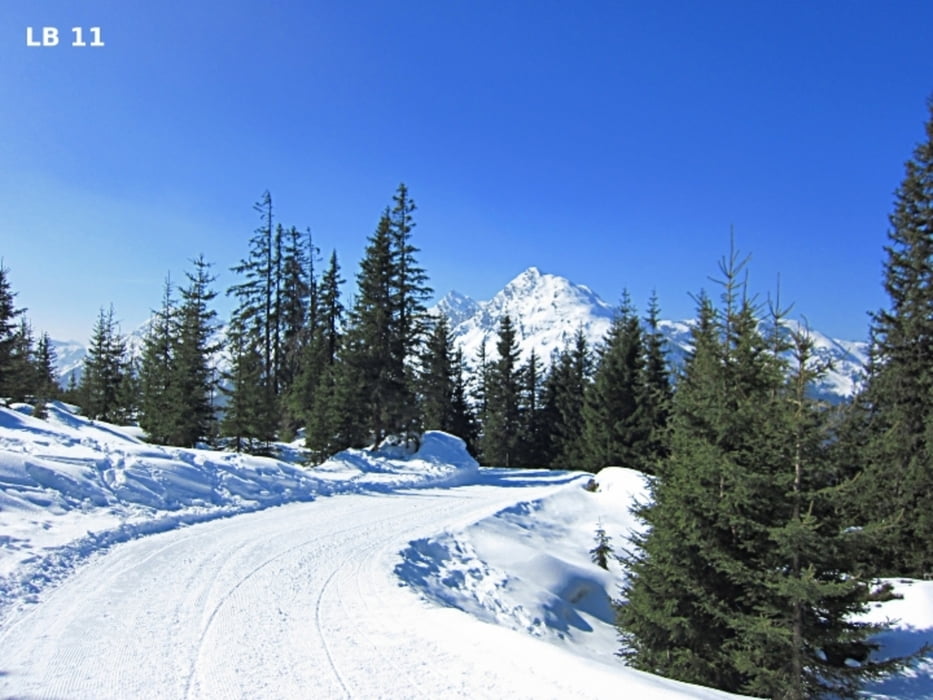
(70, 354)
(547, 310)
(69, 359)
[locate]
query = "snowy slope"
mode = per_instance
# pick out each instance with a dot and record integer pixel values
(123, 579)
(547, 310)
(131, 570)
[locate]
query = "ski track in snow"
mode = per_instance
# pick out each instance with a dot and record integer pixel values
(130, 570)
(294, 601)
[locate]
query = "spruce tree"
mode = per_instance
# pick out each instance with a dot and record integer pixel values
(502, 420)
(385, 334)
(160, 396)
(742, 580)
(564, 389)
(23, 377)
(892, 418)
(298, 319)
(657, 394)
(410, 295)
(249, 416)
(437, 379)
(463, 421)
(616, 425)
(258, 304)
(46, 387)
(8, 325)
(532, 443)
(313, 395)
(194, 356)
(372, 347)
(107, 382)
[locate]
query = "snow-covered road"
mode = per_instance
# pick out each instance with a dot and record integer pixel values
(295, 601)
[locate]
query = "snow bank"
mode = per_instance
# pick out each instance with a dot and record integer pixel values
(70, 487)
(529, 568)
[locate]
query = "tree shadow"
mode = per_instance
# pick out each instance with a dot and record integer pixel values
(914, 682)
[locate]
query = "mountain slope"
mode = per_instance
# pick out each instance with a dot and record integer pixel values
(547, 310)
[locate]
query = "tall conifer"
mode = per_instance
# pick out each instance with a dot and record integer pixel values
(893, 418)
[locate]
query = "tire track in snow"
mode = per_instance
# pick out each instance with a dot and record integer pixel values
(323, 636)
(258, 606)
(231, 592)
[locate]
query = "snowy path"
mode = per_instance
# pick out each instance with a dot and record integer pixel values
(294, 601)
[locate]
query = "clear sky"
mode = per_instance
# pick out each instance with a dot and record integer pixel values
(614, 143)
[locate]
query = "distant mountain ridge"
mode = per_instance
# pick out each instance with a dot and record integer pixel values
(547, 310)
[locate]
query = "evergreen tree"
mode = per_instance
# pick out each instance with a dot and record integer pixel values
(741, 581)
(502, 421)
(258, 304)
(564, 389)
(107, 383)
(532, 443)
(249, 416)
(656, 398)
(46, 378)
(385, 334)
(298, 318)
(372, 349)
(23, 376)
(314, 394)
(892, 420)
(480, 394)
(193, 361)
(616, 426)
(437, 379)
(160, 394)
(444, 393)
(8, 325)
(410, 295)
(462, 417)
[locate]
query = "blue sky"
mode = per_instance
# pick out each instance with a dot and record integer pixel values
(614, 143)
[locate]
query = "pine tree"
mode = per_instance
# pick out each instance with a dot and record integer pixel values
(437, 379)
(502, 421)
(159, 392)
(298, 319)
(657, 394)
(894, 416)
(564, 389)
(193, 361)
(462, 417)
(23, 376)
(603, 550)
(8, 325)
(532, 444)
(249, 416)
(410, 295)
(372, 347)
(107, 383)
(259, 306)
(386, 328)
(616, 425)
(743, 581)
(314, 394)
(46, 387)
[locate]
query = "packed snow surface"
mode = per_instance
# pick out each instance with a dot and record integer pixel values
(131, 570)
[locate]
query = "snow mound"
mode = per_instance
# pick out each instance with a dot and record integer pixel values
(528, 567)
(441, 460)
